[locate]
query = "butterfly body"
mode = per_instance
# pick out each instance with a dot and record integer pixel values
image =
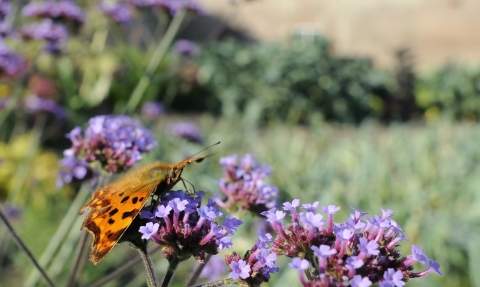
(113, 207)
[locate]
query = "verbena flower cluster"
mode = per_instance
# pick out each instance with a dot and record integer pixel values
(244, 185)
(360, 251)
(118, 11)
(256, 265)
(54, 16)
(110, 142)
(11, 63)
(184, 227)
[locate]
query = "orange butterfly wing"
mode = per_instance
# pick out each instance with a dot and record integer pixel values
(111, 211)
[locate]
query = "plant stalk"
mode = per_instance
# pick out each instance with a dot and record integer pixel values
(172, 267)
(198, 270)
(148, 266)
(25, 249)
(157, 57)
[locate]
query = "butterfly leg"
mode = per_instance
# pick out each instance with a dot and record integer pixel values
(184, 185)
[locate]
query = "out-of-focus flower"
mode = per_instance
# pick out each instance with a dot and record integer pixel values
(11, 63)
(55, 35)
(151, 111)
(186, 130)
(244, 185)
(185, 228)
(35, 104)
(73, 169)
(112, 142)
(11, 212)
(64, 10)
(356, 252)
(256, 265)
(186, 48)
(119, 12)
(172, 6)
(214, 268)
(5, 9)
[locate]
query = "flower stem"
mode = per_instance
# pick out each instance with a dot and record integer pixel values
(25, 249)
(148, 266)
(77, 259)
(218, 283)
(157, 57)
(172, 267)
(198, 270)
(121, 270)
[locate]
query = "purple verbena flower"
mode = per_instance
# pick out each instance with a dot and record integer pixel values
(114, 143)
(186, 228)
(244, 185)
(148, 230)
(63, 10)
(118, 12)
(186, 130)
(11, 63)
(35, 104)
(260, 259)
(186, 48)
(357, 252)
(55, 35)
(151, 111)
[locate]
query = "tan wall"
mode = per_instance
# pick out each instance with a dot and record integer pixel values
(435, 30)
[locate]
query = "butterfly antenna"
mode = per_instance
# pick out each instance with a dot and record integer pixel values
(184, 185)
(217, 143)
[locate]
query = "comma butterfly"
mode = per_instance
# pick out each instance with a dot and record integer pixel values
(113, 207)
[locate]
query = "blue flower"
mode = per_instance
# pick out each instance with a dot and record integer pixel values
(240, 269)
(186, 228)
(11, 63)
(119, 12)
(299, 264)
(151, 111)
(63, 10)
(114, 143)
(148, 230)
(186, 130)
(186, 48)
(244, 185)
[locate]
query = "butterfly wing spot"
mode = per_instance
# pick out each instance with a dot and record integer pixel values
(129, 213)
(141, 199)
(113, 212)
(134, 200)
(111, 221)
(124, 199)
(121, 194)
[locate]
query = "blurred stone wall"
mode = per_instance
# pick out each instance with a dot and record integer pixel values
(435, 30)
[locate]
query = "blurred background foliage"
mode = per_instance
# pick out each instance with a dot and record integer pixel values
(334, 129)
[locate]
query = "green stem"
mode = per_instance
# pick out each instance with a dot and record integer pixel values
(121, 270)
(148, 267)
(25, 249)
(172, 267)
(62, 230)
(76, 261)
(218, 283)
(198, 270)
(157, 57)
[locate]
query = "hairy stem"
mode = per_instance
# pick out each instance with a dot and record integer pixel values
(218, 283)
(25, 249)
(172, 267)
(148, 267)
(121, 270)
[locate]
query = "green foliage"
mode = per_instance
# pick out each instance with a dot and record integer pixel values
(452, 92)
(291, 82)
